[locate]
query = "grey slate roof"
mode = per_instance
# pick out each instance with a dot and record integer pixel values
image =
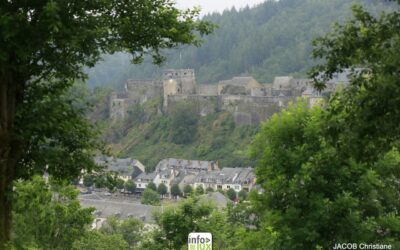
(146, 177)
(121, 166)
(226, 175)
(184, 179)
(246, 175)
(182, 164)
(217, 198)
(123, 210)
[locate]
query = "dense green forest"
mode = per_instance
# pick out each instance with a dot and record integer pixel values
(271, 39)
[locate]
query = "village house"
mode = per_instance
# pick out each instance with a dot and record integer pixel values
(142, 180)
(126, 169)
(191, 166)
(196, 173)
(165, 176)
(235, 178)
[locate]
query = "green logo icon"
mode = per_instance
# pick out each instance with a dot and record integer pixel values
(200, 241)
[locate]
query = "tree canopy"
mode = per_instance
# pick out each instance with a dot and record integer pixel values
(175, 190)
(44, 47)
(150, 197)
(187, 190)
(176, 223)
(339, 163)
(162, 189)
(130, 186)
(152, 186)
(47, 215)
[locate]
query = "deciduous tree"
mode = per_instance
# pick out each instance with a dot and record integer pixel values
(187, 190)
(175, 190)
(120, 184)
(150, 197)
(48, 216)
(45, 44)
(162, 189)
(152, 186)
(231, 193)
(199, 190)
(177, 223)
(88, 180)
(130, 186)
(130, 229)
(94, 240)
(242, 195)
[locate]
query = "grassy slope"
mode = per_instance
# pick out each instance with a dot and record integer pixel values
(147, 138)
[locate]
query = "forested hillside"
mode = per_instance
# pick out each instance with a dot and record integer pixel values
(273, 38)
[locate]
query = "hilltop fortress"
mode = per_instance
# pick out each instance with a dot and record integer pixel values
(249, 101)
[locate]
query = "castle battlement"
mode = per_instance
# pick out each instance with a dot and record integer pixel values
(178, 74)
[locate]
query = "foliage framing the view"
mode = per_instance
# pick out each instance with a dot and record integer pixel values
(49, 42)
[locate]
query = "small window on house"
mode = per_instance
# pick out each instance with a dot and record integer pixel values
(139, 185)
(228, 186)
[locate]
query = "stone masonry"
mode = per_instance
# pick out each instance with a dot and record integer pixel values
(249, 101)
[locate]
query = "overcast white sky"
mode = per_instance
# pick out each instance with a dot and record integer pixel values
(208, 6)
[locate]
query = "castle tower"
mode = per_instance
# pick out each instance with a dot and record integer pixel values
(178, 82)
(117, 107)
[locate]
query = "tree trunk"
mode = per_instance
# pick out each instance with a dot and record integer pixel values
(8, 151)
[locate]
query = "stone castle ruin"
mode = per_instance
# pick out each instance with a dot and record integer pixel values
(249, 101)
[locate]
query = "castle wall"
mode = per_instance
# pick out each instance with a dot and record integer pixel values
(282, 92)
(283, 82)
(178, 82)
(246, 110)
(204, 105)
(207, 89)
(139, 91)
(118, 108)
(170, 89)
(185, 79)
(249, 101)
(234, 90)
(252, 110)
(135, 92)
(258, 92)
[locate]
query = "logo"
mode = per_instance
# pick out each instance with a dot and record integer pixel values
(200, 241)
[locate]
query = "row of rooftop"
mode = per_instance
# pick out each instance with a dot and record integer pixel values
(195, 173)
